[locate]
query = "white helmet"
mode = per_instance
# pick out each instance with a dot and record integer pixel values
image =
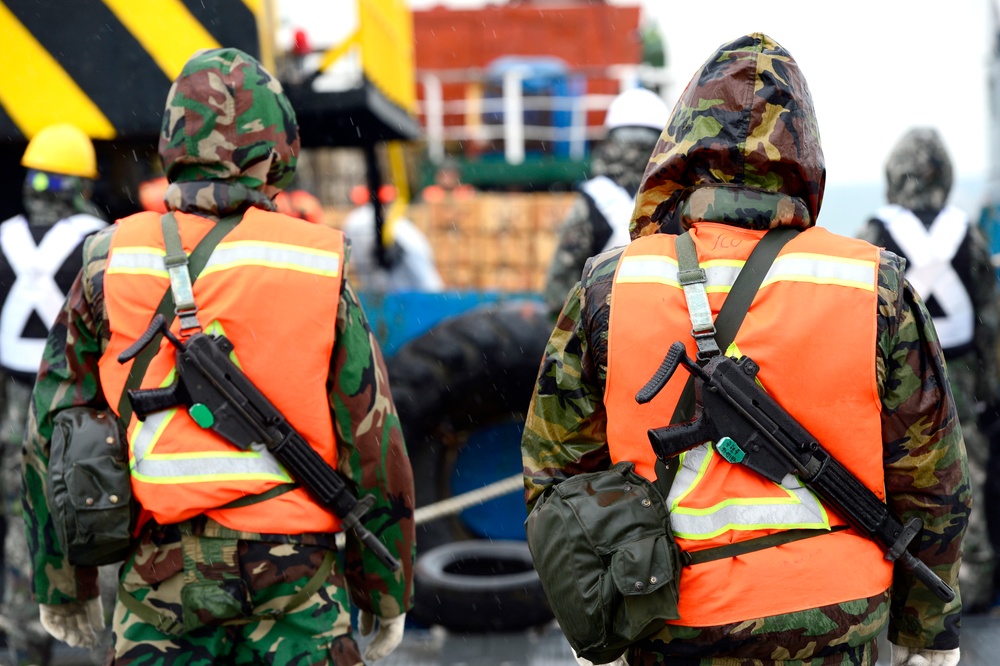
(637, 107)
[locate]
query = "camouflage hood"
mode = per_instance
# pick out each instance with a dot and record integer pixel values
(623, 160)
(742, 146)
(229, 138)
(918, 171)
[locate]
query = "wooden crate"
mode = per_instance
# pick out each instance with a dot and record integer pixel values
(493, 241)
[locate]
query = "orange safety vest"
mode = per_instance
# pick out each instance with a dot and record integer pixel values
(812, 330)
(272, 287)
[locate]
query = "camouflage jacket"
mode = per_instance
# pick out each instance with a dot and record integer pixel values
(742, 148)
(371, 452)
(925, 470)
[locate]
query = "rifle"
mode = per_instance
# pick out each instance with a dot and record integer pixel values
(748, 427)
(220, 397)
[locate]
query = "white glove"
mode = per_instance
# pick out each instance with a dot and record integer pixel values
(620, 661)
(77, 624)
(388, 637)
(904, 656)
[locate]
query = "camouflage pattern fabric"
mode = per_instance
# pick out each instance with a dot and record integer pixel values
(48, 199)
(918, 172)
(925, 467)
(623, 162)
(919, 177)
(182, 562)
(27, 642)
(745, 121)
(371, 452)
(229, 138)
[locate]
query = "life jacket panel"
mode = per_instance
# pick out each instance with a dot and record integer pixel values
(272, 287)
(813, 317)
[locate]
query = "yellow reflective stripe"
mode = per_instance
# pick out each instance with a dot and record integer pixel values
(822, 269)
(36, 91)
(721, 274)
(273, 255)
(165, 29)
(648, 268)
(149, 260)
(798, 509)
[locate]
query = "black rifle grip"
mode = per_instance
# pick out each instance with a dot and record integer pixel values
(663, 373)
(147, 401)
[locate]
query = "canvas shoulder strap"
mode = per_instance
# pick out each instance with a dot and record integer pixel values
(195, 263)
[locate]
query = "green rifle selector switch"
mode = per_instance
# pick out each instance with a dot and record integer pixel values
(202, 415)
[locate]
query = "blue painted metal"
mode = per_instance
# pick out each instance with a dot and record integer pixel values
(397, 318)
(489, 455)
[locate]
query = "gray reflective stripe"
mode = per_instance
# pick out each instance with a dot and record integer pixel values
(150, 467)
(721, 275)
(149, 260)
(798, 509)
(276, 255)
(823, 269)
(137, 260)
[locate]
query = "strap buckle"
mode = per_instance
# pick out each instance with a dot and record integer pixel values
(707, 346)
(188, 318)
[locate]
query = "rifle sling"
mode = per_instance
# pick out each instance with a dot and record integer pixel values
(727, 324)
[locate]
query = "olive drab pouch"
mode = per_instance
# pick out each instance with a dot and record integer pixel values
(606, 557)
(89, 488)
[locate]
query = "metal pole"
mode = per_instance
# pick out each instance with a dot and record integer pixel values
(374, 178)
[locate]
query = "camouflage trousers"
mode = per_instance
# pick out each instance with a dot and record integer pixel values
(805, 638)
(197, 599)
(27, 642)
(978, 558)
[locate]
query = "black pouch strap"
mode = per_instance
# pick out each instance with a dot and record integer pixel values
(196, 262)
(751, 545)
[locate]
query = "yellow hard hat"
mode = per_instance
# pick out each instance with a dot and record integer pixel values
(63, 149)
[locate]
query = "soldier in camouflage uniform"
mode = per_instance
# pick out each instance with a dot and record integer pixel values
(759, 165)
(61, 167)
(961, 297)
(599, 216)
(208, 593)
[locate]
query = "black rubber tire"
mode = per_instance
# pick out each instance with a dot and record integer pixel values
(469, 372)
(479, 585)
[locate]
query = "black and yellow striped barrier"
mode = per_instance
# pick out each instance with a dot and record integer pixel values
(106, 65)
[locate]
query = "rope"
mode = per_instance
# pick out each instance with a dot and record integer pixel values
(459, 503)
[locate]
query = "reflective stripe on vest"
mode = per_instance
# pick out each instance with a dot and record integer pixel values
(272, 287)
(721, 274)
(795, 507)
(814, 318)
(929, 254)
(615, 204)
(35, 288)
(149, 261)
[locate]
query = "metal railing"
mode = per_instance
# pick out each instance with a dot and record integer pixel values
(468, 119)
